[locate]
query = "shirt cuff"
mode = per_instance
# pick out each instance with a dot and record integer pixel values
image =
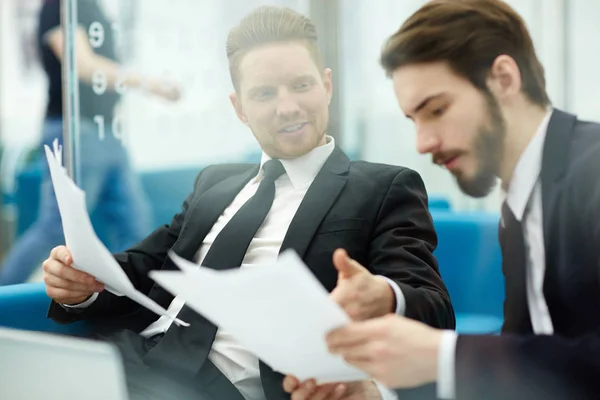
(446, 382)
(85, 304)
(386, 394)
(400, 300)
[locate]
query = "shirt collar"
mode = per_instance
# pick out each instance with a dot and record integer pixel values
(303, 169)
(527, 171)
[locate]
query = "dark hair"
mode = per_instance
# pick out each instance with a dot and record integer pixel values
(269, 24)
(469, 35)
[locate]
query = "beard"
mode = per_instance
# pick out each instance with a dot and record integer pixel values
(488, 150)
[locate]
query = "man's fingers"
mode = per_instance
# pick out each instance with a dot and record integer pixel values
(325, 392)
(290, 383)
(62, 254)
(366, 352)
(305, 390)
(339, 391)
(54, 281)
(354, 334)
(343, 264)
(60, 270)
(340, 296)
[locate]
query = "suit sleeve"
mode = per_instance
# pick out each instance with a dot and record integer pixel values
(402, 250)
(585, 192)
(137, 262)
(548, 367)
(527, 367)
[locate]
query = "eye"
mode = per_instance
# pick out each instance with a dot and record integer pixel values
(300, 87)
(438, 112)
(265, 94)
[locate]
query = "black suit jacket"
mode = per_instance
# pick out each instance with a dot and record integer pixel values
(566, 365)
(378, 213)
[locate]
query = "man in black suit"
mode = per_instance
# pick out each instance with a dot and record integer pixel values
(466, 73)
(305, 195)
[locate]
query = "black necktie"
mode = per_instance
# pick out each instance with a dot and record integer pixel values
(514, 267)
(187, 348)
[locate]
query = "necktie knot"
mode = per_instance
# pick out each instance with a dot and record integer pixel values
(273, 169)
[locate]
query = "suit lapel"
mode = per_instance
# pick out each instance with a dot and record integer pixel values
(205, 211)
(554, 164)
(317, 202)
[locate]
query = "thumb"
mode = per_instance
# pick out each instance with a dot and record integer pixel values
(345, 266)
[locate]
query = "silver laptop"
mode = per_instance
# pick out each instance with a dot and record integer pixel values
(35, 365)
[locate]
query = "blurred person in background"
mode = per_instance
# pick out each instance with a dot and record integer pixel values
(466, 73)
(105, 173)
(305, 195)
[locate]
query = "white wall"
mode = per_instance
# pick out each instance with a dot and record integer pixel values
(584, 59)
(22, 89)
(369, 100)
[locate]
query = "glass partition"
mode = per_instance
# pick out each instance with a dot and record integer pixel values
(168, 79)
(146, 86)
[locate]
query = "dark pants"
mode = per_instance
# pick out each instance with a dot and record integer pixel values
(145, 383)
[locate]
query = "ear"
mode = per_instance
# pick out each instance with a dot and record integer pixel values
(328, 84)
(504, 79)
(237, 106)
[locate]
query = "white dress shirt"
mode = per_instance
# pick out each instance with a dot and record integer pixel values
(238, 364)
(524, 197)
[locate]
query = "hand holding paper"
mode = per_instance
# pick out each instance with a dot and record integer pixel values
(88, 252)
(281, 313)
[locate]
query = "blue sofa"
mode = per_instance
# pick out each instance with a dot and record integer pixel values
(470, 263)
(25, 306)
(468, 255)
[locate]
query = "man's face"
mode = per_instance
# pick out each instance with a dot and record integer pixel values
(460, 126)
(284, 98)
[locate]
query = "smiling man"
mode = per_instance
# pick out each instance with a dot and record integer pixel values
(304, 195)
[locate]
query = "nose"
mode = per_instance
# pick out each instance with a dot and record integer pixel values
(287, 106)
(427, 141)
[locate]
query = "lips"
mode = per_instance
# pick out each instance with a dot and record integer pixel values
(448, 161)
(451, 162)
(293, 128)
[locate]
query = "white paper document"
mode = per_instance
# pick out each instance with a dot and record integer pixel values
(88, 252)
(279, 312)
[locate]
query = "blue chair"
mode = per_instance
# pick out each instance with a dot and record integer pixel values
(470, 263)
(166, 190)
(439, 203)
(25, 307)
(27, 196)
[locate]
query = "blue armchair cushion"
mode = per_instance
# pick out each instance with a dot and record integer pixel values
(25, 306)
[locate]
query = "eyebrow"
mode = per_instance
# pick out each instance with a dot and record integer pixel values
(423, 104)
(252, 91)
(304, 77)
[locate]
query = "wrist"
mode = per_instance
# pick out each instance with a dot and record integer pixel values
(76, 301)
(433, 353)
(388, 302)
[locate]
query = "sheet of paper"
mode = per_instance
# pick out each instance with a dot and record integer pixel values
(280, 312)
(89, 254)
